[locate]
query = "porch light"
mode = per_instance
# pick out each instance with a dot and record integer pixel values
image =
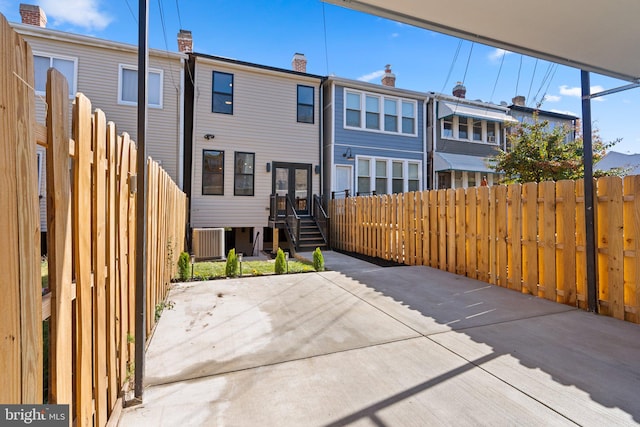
(348, 154)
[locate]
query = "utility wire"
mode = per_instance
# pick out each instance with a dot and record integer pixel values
(532, 78)
(135, 18)
(166, 43)
(326, 49)
(518, 81)
(546, 77)
(179, 18)
(464, 78)
(453, 63)
(497, 78)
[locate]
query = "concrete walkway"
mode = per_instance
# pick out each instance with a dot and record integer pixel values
(363, 345)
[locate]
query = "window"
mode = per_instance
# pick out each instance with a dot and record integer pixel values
(447, 127)
(477, 130)
(364, 180)
(397, 185)
(128, 86)
(408, 117)
(492, 132)
(471, 179)
(353, 110)
(212, 172)
(463, 128)
(414, 177)
(305, 104)
(222, 98)
(381, 177)
(244, 176)
(373, 112)
(66, 66)
(378, 113)
(390, 115)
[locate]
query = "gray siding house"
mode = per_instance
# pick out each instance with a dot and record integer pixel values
(463, 135)
(373, 138)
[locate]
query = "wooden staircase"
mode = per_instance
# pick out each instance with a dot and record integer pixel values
(310, 235)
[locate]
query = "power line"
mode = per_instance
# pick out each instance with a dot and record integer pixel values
(497, 78)
(532, 78)
(453, 63)
(518, 81)
(179, 18)
(135, 18)
(326, 49)
(464, 78)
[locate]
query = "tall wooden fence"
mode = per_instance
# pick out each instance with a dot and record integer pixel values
(528, 237)
(91, 245)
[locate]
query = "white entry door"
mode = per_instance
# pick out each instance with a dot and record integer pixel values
(343, 179)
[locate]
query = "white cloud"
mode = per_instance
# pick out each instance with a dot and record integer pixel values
(498, 54)
(394, 35)
(552, 98)
(82, 13)
(371, 76)
(570, 113)
(577, 91)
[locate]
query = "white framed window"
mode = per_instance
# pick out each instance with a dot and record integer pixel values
(388, 175)
(470, 129)
(128, 86)
(378, 113)
(67, 65)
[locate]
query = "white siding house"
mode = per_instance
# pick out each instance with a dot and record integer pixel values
(254, 131)
(105, 72)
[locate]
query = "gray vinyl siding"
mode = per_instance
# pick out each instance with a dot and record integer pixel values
(264, 122)
(98, 78)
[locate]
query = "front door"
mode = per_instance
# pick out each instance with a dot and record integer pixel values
(293, 180)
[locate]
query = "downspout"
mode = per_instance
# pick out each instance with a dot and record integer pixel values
(433, 145)
(181, 127)
(425, 146)
(321, 137)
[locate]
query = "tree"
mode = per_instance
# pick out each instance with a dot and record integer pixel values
(539, 153)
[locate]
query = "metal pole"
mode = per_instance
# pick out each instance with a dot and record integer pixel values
(589, 212)
(141, 201)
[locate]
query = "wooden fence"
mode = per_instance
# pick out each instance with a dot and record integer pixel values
(91, 244)
(528, 237)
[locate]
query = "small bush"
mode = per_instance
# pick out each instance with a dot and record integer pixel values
(318, 260)
(231, 269)
(183, 266)
(281, 263)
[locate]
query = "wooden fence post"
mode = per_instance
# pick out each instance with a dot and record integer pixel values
(631, 211)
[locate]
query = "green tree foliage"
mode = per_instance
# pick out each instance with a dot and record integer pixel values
(281, 262)
(183, 266)
(318, 260)
(539, 153)
(231, 268)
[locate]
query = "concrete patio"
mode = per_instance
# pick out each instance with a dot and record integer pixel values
(363, 345)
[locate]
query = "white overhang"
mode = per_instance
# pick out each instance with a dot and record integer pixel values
(460, 162)
(591, 35)
(446, 109)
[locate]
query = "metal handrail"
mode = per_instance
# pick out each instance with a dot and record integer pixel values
(292, 222)
(321, 218)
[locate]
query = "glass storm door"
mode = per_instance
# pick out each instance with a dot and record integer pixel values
(293, 180)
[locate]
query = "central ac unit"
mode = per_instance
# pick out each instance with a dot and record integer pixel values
(208, 243)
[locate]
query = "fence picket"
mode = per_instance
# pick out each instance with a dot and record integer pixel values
(566, 247)
(530, 237)
(500, 197)
(631, 212)
(547, 239)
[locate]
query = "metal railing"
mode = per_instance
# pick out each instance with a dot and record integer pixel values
(292, 222)
(321, 218)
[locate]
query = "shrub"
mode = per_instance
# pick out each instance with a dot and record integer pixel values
(231, 269)
(318, 260)
(281, 263)
(183, 266)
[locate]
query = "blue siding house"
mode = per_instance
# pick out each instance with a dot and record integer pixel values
(373, 138)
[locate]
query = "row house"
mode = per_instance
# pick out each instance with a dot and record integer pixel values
(106, 72)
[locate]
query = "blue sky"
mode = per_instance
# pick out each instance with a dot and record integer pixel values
(349, 44)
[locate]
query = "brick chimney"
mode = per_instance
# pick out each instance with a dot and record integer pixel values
(459, 91)
(388, 79)
(185, 41)
(299, 63)
(518, 100)
(33, 15)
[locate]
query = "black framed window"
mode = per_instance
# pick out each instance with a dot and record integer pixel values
(222, 99)
(213, 172)
(305, 104)
(244, 177)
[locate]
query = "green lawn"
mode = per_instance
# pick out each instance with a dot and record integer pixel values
(215, 269)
